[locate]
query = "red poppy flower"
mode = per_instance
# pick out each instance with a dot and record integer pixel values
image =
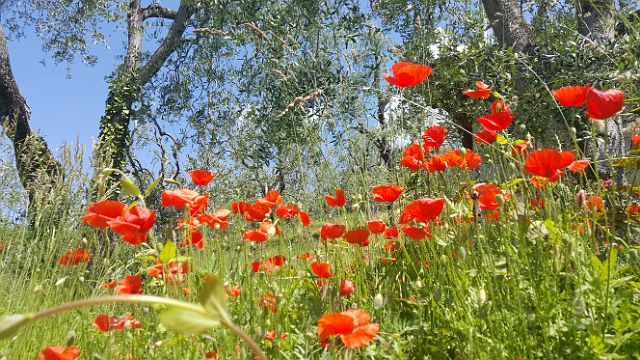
(234, 292)
(352, 326)
(331, 231)
(499, 119)
(217, 219)
(254, 235)
(435, 163)
(108, 284)
(269, 265)
(240, 207)
(134, 224)
(304, 218)
(57, 352)
(287, 212)
(105, 323)
(99, 213)
(487, 196)
(201, 177)
(180, 198)
(482, 91)
(578, 165)
(305, 256)
(131, 284)
(413, 157)
(408, 74)
(273, 196)
(259, 210)
(537, 203)
(346, 287)
(492, 215)
(433, 137)
(376, 226)
(635, 139)
(520, 147)
(386, 193)
(602, 105)
(269, 302)
(634, 209)
(416, 233)
(486, 136)
(75, 257)
(391, 233)
(168, 272)
(339, 200)
(594, 202)
(357, 236)
(548, 163)
(194, 238)
(322, 270)
(390, 246)
(464, 158)
(571, 95)
(422, 210)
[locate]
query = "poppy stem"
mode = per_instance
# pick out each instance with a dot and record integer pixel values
(257, 353)
(139, 299)
(150, 300)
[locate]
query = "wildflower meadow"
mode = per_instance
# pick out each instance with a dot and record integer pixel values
(510, 244)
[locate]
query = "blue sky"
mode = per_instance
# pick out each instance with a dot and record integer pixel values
(66, 100)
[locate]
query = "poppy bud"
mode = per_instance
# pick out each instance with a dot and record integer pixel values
(378, 301)
(346, 287)
(482, 296)
(573, 130)
(128, 186)
(463, 151)
(356, 206)
(107, 172)
(216, 226)
(500, 199)
(71, 338)
(581, 198)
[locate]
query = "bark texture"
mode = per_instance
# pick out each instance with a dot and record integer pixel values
(596, 25)
(35, 163)
(509, 25)
(114, 141)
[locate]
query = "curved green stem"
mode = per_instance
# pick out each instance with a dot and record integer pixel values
(139, 299)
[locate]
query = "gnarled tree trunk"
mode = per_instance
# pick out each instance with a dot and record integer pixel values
(37, 167)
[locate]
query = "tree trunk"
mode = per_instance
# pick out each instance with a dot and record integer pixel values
(34, 160)
(509, 25)
(596, 20)
(114, 138)
(596, 24)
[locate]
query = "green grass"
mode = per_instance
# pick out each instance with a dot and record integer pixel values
(530, 286)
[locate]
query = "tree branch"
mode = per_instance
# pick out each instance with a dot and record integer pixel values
(157, 11)
(170, 42)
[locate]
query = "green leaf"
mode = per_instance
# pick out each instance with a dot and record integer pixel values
(10, 324)
(213, 297)
(633, 162)
(512, 183)
(501, 140)
(168, 252)
(188, 322)
(152, 186)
